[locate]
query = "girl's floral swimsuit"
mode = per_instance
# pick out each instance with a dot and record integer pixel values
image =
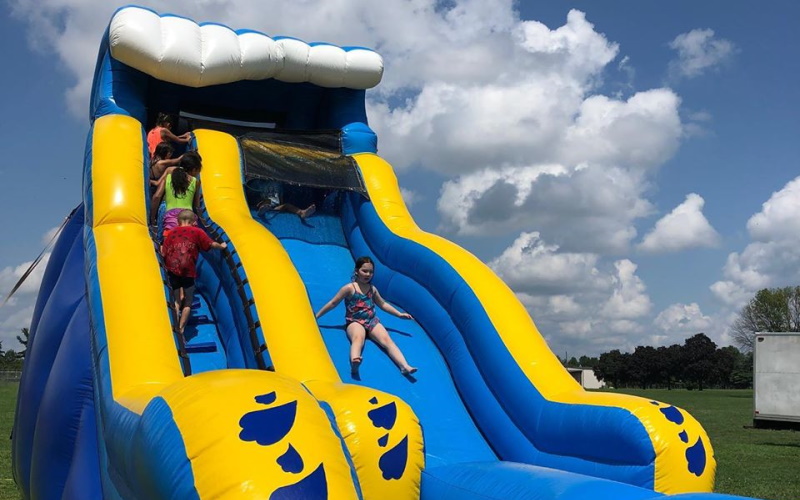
(360, 309)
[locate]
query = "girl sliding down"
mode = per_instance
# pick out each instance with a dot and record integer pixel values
(360, 298)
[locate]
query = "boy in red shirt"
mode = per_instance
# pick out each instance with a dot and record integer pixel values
(180, 249)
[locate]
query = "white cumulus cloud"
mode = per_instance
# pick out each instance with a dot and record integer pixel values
(589, 209)
(576, 298)
(587, 189)
(629, 298)
(531, 266)
(699, 51)
(682, 319)
(778, 219)
(772, 258)
(683, 228)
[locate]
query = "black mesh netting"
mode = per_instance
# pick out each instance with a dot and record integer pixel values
(305, 159)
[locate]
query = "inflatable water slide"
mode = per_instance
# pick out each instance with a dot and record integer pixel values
(257, 398)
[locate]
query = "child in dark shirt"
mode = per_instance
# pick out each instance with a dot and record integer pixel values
(159, 163)
(180, 249)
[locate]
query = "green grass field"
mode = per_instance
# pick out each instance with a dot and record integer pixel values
(751, 462)
(8, 402)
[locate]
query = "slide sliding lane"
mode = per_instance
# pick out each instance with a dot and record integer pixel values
(628, 439)
(220, 434)
(320, 253)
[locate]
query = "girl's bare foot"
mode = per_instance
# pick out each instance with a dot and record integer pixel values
(408, 370)
(308, 212)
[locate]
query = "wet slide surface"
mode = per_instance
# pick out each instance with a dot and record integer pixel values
(319, 252)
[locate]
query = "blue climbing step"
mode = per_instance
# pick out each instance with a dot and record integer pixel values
(203, 344)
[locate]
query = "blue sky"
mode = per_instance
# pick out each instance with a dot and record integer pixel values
(598, 118)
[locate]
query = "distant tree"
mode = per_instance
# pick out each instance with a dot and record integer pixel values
(699, 360)
(724, 364)
(771, 310)
(10, 360)
(611, 368)
(24, 341)
(742, 376)
(573, 362)
(669, 364)
(587, 362)
(625, 378)
(643, 367)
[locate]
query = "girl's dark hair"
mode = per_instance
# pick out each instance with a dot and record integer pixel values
(163, 151)
(180, 181)
(190, 162)
(195, 157)
(165, 118)
(363, 260)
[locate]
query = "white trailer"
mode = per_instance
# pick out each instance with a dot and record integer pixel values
(776, 379)
(586, 377)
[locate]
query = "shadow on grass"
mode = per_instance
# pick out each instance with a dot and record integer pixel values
(781, 445)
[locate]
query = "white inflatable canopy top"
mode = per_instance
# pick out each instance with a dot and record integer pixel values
(178, 50)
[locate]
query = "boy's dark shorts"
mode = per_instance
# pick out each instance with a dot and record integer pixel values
(177, 282)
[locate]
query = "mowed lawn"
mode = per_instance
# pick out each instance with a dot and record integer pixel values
(8, 403)
(751, 462)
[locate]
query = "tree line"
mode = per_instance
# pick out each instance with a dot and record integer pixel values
(697, 364)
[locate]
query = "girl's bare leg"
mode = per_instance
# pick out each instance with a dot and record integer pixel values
(292, 209)
(381, 336)
(357, 336)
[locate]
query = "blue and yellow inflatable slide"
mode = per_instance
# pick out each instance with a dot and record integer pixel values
(258, 400)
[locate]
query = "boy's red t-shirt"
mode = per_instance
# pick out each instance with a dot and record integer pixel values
(181, 247)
